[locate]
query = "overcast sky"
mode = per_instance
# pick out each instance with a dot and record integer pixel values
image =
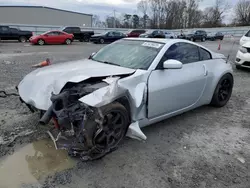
(102, 8)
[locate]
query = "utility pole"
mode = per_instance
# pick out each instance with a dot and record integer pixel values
(114, 22)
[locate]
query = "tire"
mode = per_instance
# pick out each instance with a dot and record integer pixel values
(101, 40)
(41, 42)
(203, 39)
(111, 134)
(22, 39)
(171, 37)
(238, 67)
(68, 41)
(192, 39)
(223, 91)
(86, 38)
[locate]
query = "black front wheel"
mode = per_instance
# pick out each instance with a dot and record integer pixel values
(111, 129)
(223, 91)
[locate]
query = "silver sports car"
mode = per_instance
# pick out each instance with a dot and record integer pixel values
(126, 85)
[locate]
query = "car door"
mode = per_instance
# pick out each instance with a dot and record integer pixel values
(198, 35)
(61, 37)
(5, 33)
(14, 33)
(172, 90)
(110, 37)
(118, 35)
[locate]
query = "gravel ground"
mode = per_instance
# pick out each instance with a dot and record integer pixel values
(205, 148)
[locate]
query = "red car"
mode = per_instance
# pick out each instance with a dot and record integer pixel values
(135, 32)
(52, 37)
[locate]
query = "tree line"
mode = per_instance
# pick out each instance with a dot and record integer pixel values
(178, 14)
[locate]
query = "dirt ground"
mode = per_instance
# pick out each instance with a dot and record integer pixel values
(204, 148)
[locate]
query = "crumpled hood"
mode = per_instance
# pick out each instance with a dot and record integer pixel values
(36, 87)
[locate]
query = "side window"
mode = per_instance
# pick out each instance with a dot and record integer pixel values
(54, 33)
(155, 32)
(111, 34)
(204, 55)
(117, 34)
(183, 52)
(5, 29)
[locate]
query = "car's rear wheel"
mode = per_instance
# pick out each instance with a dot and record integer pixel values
(22, 39)
(41, 42)
(114, 122)
(223, 91)
(86, 38)
(203, 39)
(102, 41)
(68, 41)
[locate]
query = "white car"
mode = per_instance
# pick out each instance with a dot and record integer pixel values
(245, 38)
(129, 84)
(243, 56)
(170, 35)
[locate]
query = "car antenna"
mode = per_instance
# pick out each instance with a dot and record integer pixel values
(228, 56)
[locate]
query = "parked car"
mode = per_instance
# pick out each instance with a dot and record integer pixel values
(153, 34)
(197, 35)
(129, 84)
(243, 56)
(214, 36)
(78, 34)
(135, 32)
(52, 37)
(107, 37)
(8, 33)
(170, 35)
(245, 38)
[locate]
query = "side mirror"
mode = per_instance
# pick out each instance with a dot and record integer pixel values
(172, 64)
(90, 57)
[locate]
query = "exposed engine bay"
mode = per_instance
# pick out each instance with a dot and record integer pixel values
(85, 131)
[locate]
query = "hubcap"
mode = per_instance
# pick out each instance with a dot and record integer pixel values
(68, 41)
(224, 90)
(23, 40)
(40, 42)
(102, 41)
(112, 132)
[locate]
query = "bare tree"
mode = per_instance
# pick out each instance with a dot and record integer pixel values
(213, 16)
(242, 11)
(142, 6)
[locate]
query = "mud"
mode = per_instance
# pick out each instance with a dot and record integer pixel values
(33, 163)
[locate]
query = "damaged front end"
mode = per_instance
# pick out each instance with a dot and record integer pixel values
(90, 118)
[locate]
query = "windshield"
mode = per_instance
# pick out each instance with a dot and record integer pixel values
(129, 53)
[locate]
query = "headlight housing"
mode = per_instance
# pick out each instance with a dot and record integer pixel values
(243, 50)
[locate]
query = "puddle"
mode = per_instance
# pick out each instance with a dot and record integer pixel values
(32, 163)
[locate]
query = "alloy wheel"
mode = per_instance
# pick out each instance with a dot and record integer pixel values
(224, 90)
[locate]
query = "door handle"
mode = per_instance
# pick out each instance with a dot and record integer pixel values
(205, 70)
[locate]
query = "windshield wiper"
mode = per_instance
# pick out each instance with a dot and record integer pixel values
(107, 62)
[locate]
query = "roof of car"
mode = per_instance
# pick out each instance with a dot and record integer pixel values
(165, 41)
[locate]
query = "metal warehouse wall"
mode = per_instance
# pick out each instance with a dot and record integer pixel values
(43, 16)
